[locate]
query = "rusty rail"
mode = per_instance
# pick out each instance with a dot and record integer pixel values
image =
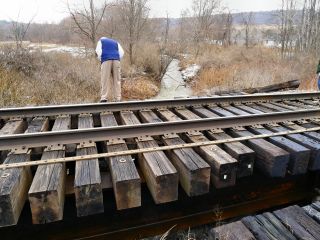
(151, 129)
(149, 104)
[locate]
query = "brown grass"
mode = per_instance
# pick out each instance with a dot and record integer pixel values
(235, 68)
(58, 78)
(40, 78)
(141, 88)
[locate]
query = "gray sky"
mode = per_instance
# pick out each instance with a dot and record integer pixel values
(54, 11)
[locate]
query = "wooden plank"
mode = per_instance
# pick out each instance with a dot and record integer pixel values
(14, 185)
(194, 172)
(274, 226)
(313, 145)
(161, 176)
(271, 160)
(244, 155)
(204, 113)
(11, 127)
(299, 155)
(262, 229)
(223, 166)
(38, 124)
(125, 177)
(87, 182)
(15, 182)
(46, 194)
(313, 135)
(298, 222)
(232, 231)
(316, 206)
(312, 212)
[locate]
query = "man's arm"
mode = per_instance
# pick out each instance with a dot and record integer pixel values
(121, 52)
(99, 49)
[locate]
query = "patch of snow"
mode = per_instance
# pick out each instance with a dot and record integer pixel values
(190, 71)
(74, 51)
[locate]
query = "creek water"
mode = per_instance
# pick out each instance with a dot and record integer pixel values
(172, 83)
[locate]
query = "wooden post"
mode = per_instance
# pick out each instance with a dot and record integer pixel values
(244, 155)
(223, 166)
(15, 182)
(46, 194)
(125, 177)
(300, 224)
(232, 231)
(87, 182)
(161, 176)
(194, 172)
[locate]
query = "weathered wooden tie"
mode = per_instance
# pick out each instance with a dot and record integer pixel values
(299, 155)
(244, 155)
(271, 160)
(87, 182)
(13, 126)
(194, 172)
(125, 177)
(46, 194)
(161, 176)
(15, 182)
(223, 166)
(263, 229)
(232, 231)
(312, 212)
(300, 224)
(304, 140)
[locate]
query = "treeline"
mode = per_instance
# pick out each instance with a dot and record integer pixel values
(295, 26)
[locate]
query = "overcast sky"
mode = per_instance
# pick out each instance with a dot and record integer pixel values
(53, 11)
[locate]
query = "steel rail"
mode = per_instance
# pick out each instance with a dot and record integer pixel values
(44, 139)
(148, 104)
(145, 150)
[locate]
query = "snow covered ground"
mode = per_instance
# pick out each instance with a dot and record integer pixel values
(74, 51)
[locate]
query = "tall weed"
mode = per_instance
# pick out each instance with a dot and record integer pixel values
(236, 67)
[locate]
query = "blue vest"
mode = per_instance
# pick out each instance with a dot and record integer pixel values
(109, 50)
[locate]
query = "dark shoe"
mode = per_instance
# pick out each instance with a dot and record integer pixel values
(103, 101)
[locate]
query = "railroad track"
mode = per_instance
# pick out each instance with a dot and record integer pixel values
(164, 159)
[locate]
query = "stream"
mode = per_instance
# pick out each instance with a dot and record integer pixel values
(172, 83)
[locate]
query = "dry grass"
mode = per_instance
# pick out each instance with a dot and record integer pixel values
(58, 78)
(235, 68)
(40, 78)
(141, 88)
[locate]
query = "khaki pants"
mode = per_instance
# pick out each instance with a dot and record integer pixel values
(110, 68)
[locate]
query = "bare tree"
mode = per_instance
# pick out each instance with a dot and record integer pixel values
(134, 15)
(309, 32)
(224, 27)
(87, 19)
(19, 29)
(203, 19)
(247, 21)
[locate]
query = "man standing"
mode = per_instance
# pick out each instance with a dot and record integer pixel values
(110, 52)
(318, 72)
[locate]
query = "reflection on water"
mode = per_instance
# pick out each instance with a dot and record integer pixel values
(172, 84)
